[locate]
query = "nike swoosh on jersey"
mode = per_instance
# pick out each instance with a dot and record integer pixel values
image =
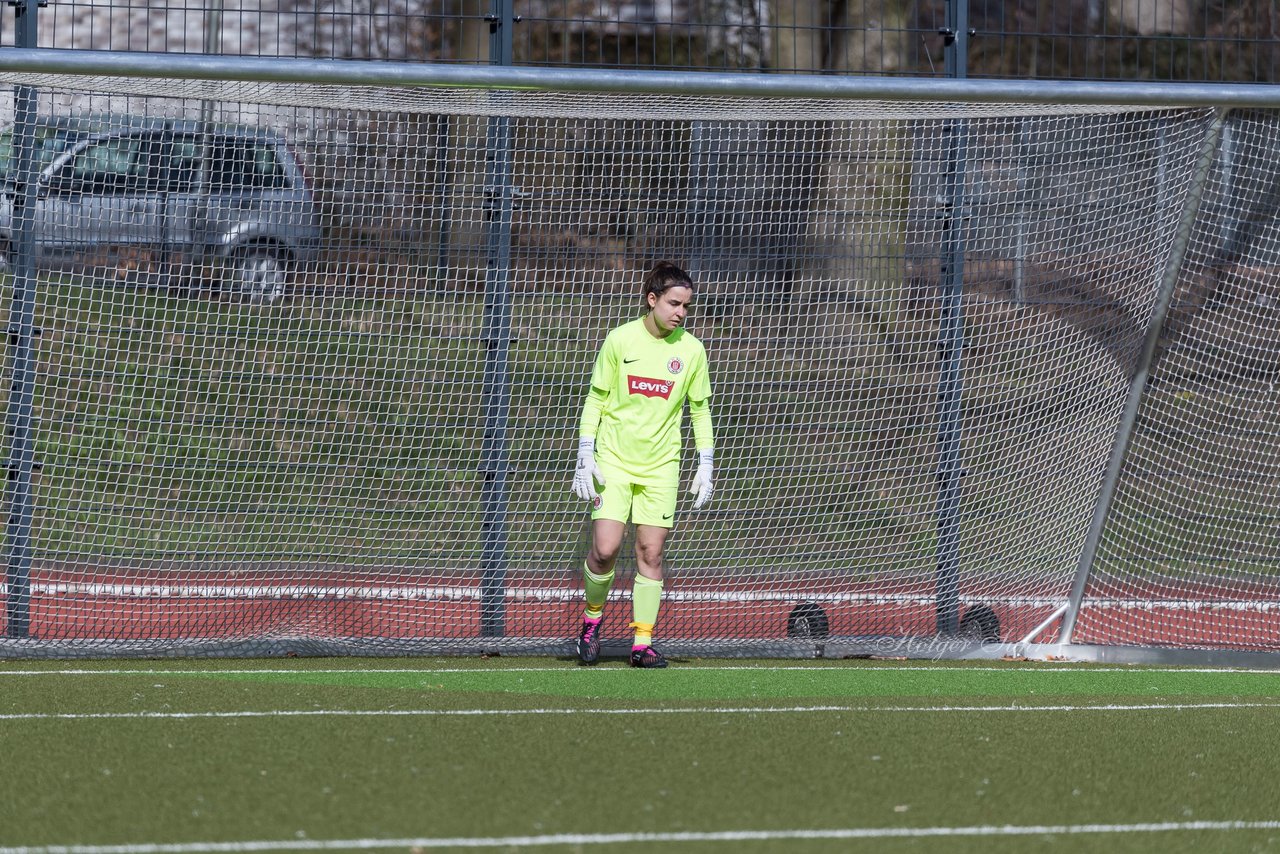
(629, 361)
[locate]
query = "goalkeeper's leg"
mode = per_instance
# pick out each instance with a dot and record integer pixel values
(597, 578)
(596, 591)
(597, 569)
(646, 595)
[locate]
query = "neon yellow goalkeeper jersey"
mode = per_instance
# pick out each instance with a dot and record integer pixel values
(647, 380)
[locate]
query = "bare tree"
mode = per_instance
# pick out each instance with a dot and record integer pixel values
(838, 36)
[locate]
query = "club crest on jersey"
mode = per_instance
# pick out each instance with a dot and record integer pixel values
(675, 366)
(649, 387)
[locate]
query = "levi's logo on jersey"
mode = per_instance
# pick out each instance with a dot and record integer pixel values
(649, 387)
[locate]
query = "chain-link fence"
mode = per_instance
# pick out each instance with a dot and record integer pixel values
(1081, 39)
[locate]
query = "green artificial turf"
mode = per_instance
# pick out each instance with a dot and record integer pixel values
(702, 747)
(768, 682)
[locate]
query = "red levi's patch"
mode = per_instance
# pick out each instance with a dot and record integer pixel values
(649, 387)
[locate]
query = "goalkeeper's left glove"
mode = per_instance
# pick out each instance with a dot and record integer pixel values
(701, 488)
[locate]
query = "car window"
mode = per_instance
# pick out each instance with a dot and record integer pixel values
(185, 164)
(112, 166)
(50, 142)
(245, 164)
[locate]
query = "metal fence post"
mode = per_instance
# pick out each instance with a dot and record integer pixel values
(495, 452)
(21, 331)
(951, 338)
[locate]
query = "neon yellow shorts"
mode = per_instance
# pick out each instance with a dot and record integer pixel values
(635, 502)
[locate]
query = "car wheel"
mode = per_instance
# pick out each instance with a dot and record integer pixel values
(259, 274)
(980, 624)
(808, 621)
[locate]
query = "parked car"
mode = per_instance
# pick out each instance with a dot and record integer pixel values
(126, 187)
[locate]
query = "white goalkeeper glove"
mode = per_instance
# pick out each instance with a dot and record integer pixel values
(586, 475)
(701, 488)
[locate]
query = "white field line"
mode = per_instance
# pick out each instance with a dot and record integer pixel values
(700, 710)
(650, 838)
(1067, 668)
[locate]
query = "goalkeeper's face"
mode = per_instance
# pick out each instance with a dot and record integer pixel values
(669, 309)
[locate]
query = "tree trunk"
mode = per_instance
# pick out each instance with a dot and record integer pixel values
(837, 230)
(1153, 17)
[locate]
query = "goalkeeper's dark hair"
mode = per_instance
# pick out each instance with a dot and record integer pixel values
(663, 277)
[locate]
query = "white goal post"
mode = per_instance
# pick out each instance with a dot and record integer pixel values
(296, 352)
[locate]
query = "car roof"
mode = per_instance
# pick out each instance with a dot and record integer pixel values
(115, 123)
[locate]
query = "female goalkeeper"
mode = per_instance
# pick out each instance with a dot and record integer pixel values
(629, 451)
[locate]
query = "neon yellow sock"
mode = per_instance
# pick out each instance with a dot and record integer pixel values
(597, 591)
(644, 635)
(646, 598)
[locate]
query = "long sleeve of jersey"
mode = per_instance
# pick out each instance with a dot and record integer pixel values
(700, 418)
(591, 410)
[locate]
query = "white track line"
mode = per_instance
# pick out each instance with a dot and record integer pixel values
(889, 667)
(701, 710)
(372, 591)
(649, 838)
(336, 591)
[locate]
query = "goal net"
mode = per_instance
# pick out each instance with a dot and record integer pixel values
(302, 366)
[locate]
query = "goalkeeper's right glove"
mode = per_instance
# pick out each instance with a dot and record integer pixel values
(586, 475)
(702, 485)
